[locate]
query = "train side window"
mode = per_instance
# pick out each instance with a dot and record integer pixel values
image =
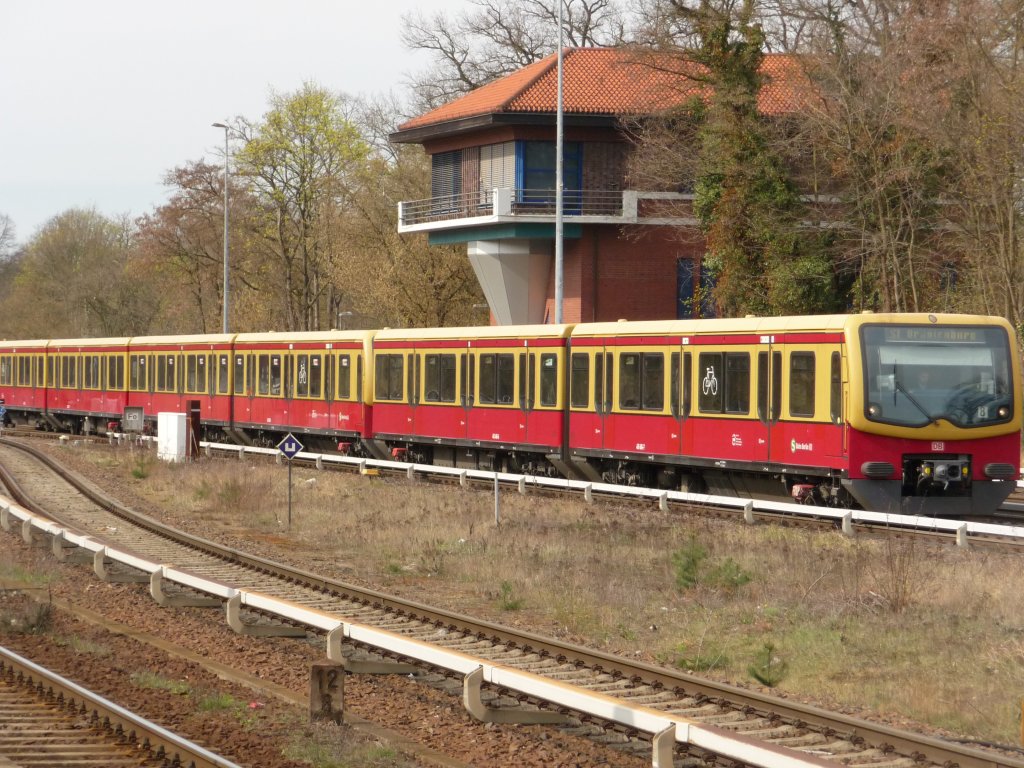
(497, 379)
(223, 374)
(344, 377)
(687, 383)
(579, 382)
(211, 374)
(431, 378)
(488, 378)
(836, 390)
(190, 373)
(629, 380)
(599, 387)
(447, 378)
(412, 385)
(316, 373)
(5, 370)
(549, 379)
(524, 401)
(506, 380)
(801, 384)
(275, 374)
(737, 382)
(136, 372)
(302, 376)
(439, 378)
(239, 374)
(200, 373)
(673, 384)
(264, 375)
(652, 381)
(711, 374)
(389, 370)
(49, 372)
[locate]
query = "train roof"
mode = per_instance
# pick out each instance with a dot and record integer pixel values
(302, 336)
(480, 332)
(118, 341)
(766, 325)
(23, 344)
(185, 338)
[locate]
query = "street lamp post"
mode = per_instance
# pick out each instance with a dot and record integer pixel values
(226, 167)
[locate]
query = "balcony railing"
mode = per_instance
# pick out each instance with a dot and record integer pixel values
(511, 202)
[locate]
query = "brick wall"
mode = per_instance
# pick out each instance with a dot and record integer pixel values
(609, 275)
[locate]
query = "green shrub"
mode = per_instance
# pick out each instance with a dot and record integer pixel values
(687, 562)
(768, 668)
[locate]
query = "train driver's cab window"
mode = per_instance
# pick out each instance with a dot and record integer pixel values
(916, 374)
(388, 375)
(801, 384)
(497, 379)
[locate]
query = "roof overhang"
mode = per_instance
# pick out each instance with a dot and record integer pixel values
(478, 122)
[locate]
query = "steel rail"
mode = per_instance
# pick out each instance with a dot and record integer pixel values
(155, 741)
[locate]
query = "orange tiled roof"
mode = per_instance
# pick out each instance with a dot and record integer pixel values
(611, 81)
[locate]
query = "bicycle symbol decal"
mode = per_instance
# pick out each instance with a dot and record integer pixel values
(710, 383)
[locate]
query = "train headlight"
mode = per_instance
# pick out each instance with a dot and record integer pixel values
(1003, 411)
(873, 410)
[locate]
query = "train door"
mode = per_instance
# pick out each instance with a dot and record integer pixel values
(681, 378)
(526, 376)
(769, 399)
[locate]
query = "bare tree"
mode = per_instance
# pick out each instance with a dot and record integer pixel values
(498, 37)
(7, 236)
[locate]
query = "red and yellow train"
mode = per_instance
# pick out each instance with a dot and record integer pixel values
(904, 413)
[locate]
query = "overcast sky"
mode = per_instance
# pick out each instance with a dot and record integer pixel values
(99, 98)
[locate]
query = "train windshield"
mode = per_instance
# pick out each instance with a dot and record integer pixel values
(918, 374)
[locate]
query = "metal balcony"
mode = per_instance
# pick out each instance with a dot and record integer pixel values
(594, 206)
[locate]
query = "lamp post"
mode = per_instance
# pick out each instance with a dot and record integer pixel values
(226, 166)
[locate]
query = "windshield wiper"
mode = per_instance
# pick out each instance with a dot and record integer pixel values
(898, 386)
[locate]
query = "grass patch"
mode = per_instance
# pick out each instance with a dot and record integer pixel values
(30, 619)
(147, 679)
(85, 646)
(329, 746)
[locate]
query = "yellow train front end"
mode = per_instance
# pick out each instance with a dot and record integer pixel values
(934, 413)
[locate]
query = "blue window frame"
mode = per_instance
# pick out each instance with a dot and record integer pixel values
(535, 173)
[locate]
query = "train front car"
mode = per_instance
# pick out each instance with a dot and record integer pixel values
(935, 413)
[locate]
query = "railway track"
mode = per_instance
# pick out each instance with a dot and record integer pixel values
(47, 721)
(1004, 529)
(506, 675)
